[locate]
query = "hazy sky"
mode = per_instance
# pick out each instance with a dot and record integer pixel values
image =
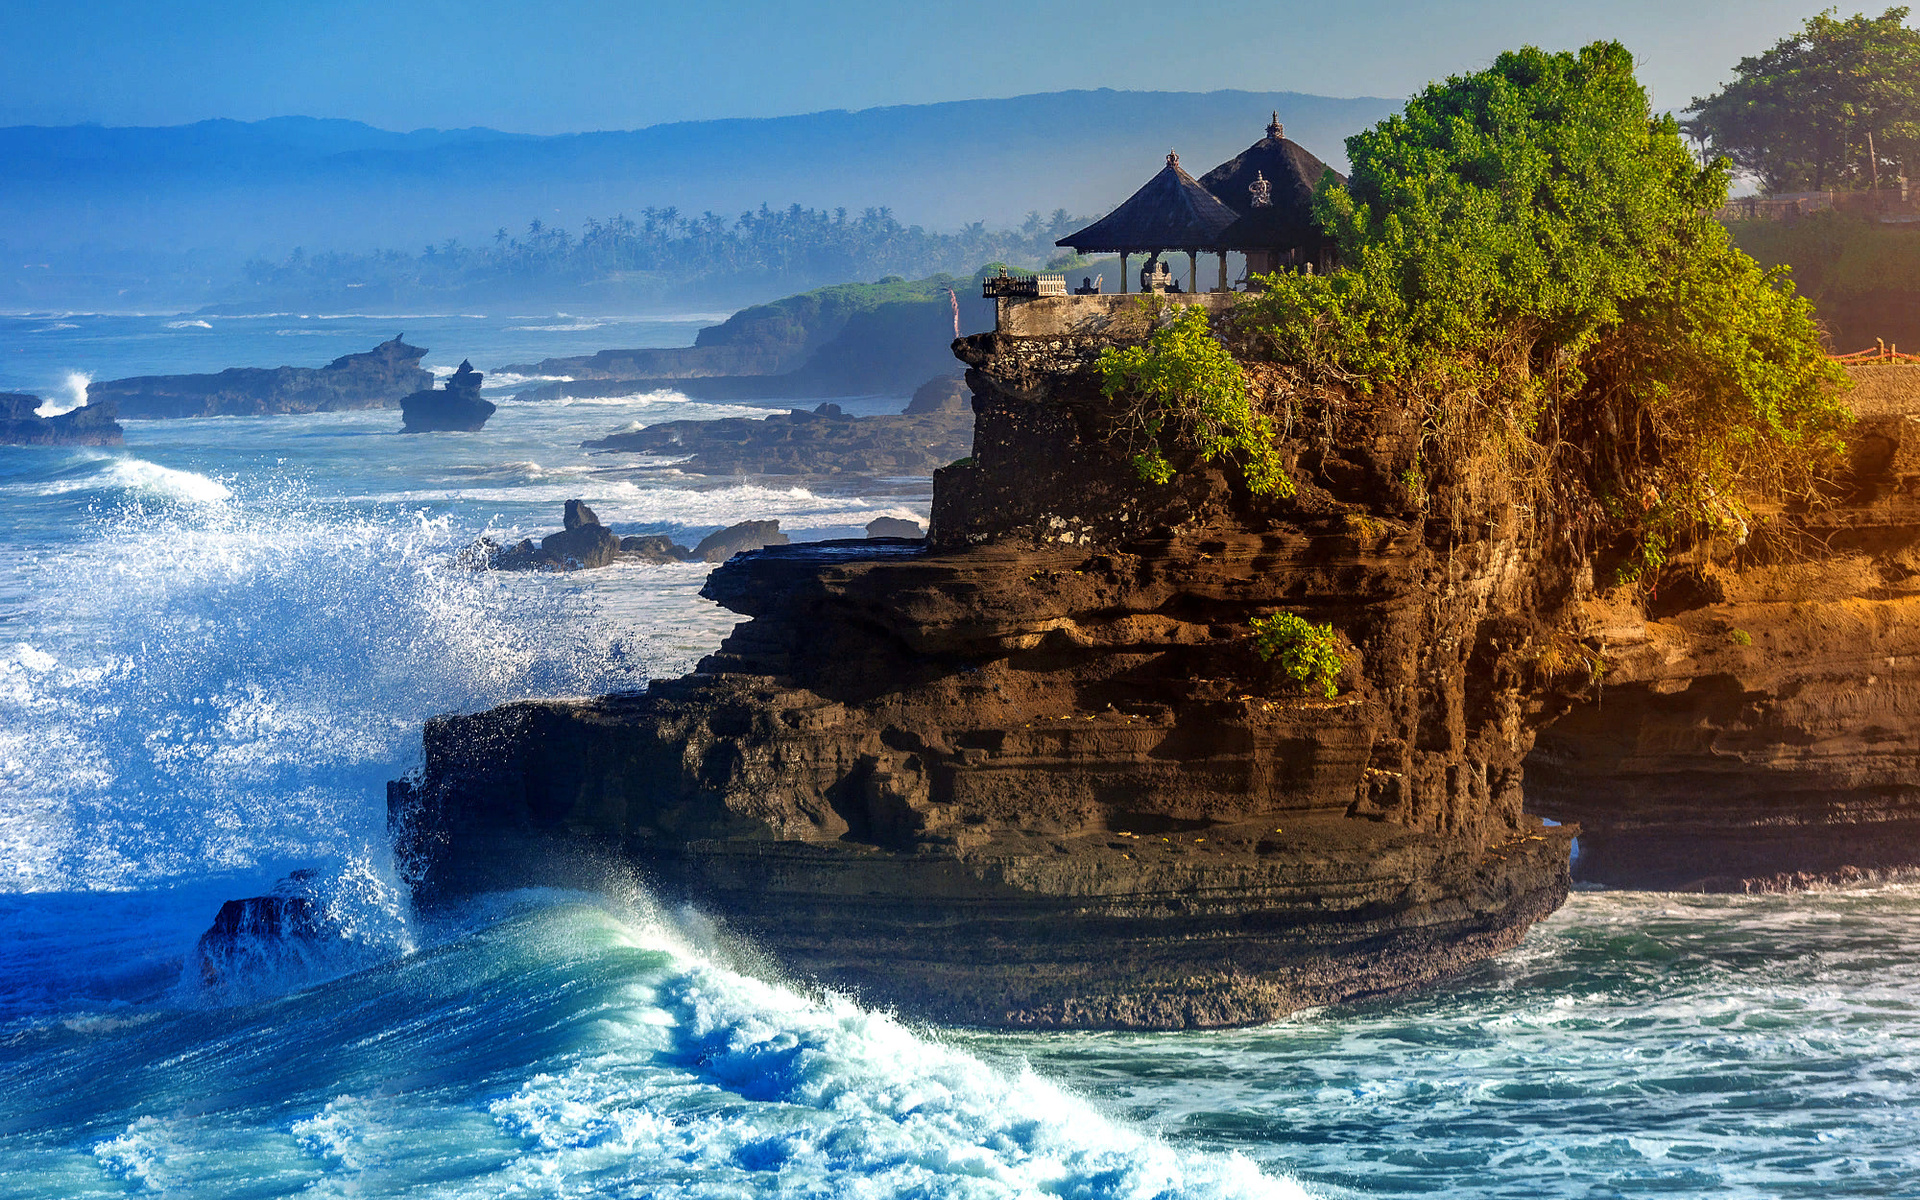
(604, 64)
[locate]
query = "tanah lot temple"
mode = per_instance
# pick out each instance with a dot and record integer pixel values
(1258, 204)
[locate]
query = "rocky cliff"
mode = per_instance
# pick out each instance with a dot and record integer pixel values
(376, 378)
(1031, 772)
(1757, 725)
(89, 425)
(824, 441)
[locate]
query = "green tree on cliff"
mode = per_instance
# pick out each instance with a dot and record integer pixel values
(1530, 264)
(1837, 105)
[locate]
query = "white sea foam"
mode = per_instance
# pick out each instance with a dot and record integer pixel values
(189, 325)
(698, 409)
(709, 1082)
(165, 483)
(626, 502)
(510, 379)
(139, 1154)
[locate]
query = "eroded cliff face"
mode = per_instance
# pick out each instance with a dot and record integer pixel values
(1032, 773)
(1758, 724)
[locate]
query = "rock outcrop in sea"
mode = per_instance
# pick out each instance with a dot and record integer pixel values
(583, 543)
(376, 378)
(825, 441)
(895, 527)
(1032, 771)
(89, 425)
(456, 408)
(265, 935)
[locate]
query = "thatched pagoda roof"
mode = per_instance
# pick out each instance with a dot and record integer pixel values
(1291, 174)
(1171, 212)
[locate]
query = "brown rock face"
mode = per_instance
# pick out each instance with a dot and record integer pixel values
(1759, 723)
(1032, 772)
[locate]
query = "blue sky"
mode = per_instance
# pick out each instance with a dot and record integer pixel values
(611, 64)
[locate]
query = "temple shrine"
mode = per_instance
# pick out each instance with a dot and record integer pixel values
(1258, 204)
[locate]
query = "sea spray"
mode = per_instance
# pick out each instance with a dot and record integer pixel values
(75, 386)
(216, 689)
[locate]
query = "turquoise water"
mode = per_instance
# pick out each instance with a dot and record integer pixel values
(219, 642)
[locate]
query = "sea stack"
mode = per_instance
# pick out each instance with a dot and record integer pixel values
(457, 408)
(1033, 771)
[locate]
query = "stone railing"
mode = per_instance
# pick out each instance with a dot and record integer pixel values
(1022, 286)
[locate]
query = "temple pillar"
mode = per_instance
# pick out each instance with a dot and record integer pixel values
(1193, 271)
(1123, 272)
(1223, 270)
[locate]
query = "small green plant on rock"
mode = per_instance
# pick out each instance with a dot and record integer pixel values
(1740, 637)
(1307, 654)
(1185, 387)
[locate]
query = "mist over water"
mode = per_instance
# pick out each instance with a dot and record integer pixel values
(217, 645)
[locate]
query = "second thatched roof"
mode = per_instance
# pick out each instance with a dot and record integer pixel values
(1172, 212)
(1289, 173)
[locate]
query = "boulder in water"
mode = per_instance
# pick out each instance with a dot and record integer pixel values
(894, 527)
(578, 514)
(654, 548)
(456, 408)
(266, 934)
(942, 394)
(583, 543)
(723, 544)
(583, 546)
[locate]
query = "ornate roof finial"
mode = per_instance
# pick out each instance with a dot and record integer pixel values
(1173, 160)
(1260, 191)
(1275, 129)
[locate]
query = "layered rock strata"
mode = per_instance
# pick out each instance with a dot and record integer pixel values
(1757, 724)
(1032, 771)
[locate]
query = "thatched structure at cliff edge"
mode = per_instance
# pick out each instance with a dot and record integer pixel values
(1171, 212)
(1270, 185)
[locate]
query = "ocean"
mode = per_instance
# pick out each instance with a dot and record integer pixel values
(218, 642)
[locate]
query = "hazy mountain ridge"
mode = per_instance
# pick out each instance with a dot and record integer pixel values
(219, 192)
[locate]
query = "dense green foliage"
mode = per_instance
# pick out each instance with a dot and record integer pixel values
(1837, 105)
(791, 246)
(1185, 388)
(1306, 655)
(1530, 263)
